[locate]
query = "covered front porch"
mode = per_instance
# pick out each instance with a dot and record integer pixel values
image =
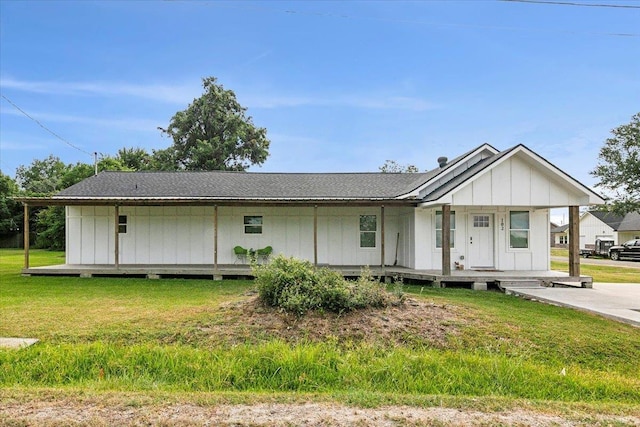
(475, 279)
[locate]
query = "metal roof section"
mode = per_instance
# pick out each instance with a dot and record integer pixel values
(453, 168)
(465, 176)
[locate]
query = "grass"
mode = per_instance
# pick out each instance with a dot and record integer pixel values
(600, 273)
(107, 335)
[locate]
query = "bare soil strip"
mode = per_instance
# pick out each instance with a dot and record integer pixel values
(68, 413)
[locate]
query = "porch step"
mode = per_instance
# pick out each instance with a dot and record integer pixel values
(505, 284)
(570, 284)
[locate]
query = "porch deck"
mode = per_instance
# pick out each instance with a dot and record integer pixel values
(435, 277)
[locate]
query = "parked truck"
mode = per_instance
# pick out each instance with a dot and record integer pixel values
(600, 248)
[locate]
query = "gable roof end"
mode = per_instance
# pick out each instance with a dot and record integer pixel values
(444, 193)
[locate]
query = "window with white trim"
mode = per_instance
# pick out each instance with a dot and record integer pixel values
(368, 227)
(519, 229)
(253, 224)
(452, 230)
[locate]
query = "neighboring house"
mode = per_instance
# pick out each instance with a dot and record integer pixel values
(559, 235)
(498, 204)
(629, 227)
(596, 224)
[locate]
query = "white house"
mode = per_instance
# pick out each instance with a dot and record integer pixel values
(559, 235)
(497, 202)
(596, 224)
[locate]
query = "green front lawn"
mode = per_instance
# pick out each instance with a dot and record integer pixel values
(108, 335)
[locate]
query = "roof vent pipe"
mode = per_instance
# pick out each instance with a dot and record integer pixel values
(442, 161)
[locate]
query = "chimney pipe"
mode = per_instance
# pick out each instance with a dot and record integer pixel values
(442, 161)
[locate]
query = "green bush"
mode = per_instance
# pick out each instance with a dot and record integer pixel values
(296, 286)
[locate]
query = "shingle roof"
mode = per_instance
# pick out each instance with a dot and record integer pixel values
(631, 222)
(560, 229)
(611, 219)
(247, 185)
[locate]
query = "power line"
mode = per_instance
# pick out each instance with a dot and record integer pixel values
(44, 127)
(434, 23)
(569, 3)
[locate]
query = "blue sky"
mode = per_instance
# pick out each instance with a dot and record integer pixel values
(339, 86)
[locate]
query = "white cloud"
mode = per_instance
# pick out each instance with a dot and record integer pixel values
(181, 94)
(117, 123)
(174, 94)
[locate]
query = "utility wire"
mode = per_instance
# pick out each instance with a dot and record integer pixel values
(427, 23)
(569, 3)
(44, 127)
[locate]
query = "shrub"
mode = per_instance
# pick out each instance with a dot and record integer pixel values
(296, 286)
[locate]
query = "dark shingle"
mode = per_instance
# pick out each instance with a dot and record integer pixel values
(631, 222)
(247, 185)
(611, 219)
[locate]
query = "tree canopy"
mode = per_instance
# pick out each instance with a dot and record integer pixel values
(391, 166)
(618, 167)
(10, 210)
(213, 133)
(46, 177)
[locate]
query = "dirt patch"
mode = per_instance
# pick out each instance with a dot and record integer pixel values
(411, 322)
(68, 413)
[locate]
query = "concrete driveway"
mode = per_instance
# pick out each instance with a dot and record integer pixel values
(617, 301)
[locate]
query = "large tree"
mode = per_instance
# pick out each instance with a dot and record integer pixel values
(618, 167)
(10, 210)
(42, 177)
(213, 133)
(47, 177)
(136, 159)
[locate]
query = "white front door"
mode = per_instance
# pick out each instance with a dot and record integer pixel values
(480, 240)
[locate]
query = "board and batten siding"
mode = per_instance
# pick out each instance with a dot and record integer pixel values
(516, 182)
(184, 235)
(592, 228)
(535, 257)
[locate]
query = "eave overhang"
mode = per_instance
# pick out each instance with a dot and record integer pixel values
(207, 201)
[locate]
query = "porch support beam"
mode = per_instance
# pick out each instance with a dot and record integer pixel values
(215, 238)
(446, 240)
(382, 236)
(574, 241)
(116, 236)
(315, 235)
(26, 235)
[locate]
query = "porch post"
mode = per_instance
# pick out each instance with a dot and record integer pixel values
(574, 241)
(215, 237)
(116, 236)
(315, 235)
(446, 240)
(382, 236)
(26, 235)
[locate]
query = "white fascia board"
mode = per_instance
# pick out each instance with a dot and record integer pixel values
(416, 193)
(444, 200)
